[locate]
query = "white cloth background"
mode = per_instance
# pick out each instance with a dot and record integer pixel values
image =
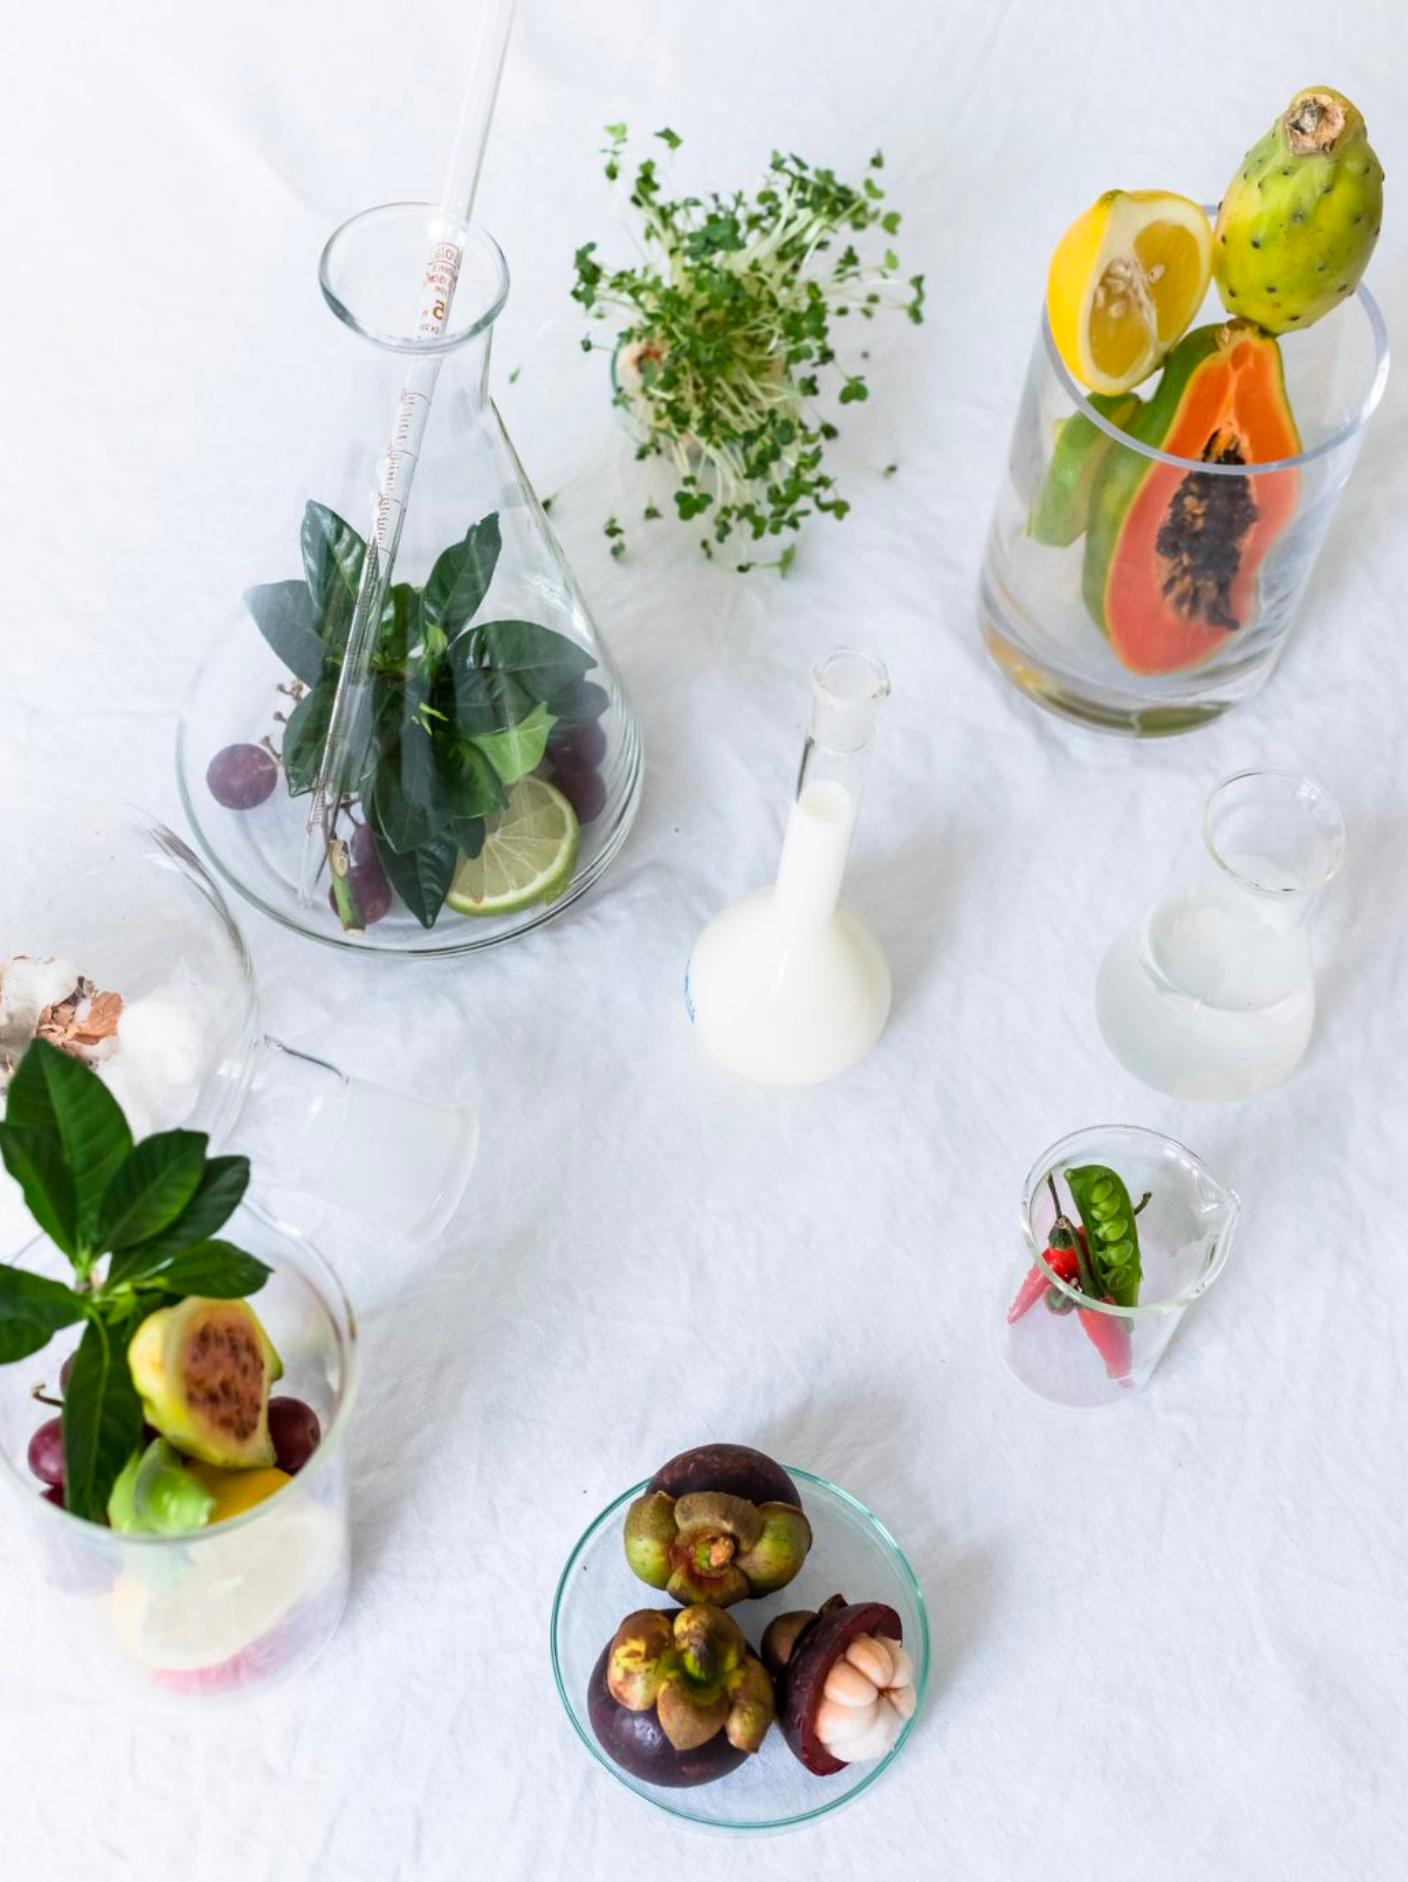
(1170, 1641)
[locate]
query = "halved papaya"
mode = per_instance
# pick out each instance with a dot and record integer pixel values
(1171, 555)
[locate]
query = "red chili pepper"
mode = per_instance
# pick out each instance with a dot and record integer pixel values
(1109, 1335)
(1059, 1261)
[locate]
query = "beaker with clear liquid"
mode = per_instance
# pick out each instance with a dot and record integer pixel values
(1211, 993)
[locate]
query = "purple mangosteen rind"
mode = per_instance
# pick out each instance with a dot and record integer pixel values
(637, 1742)
(801, 1685)
(736, 1469)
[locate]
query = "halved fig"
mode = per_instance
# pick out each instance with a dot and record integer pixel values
(678, 1696)
(718, 1524)
(845, 1684)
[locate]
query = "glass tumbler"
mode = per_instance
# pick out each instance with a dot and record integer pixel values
(1211, 994)
(1073, 1351)
(156, 1620)
(1185, 635)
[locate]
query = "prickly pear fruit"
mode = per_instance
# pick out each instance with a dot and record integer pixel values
(203, 1370)
(1300, 218)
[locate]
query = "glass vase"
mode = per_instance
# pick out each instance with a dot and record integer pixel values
(1210, 994)
(1071, 1350)
(493, 765)
(164, 1621)
(1143, 627)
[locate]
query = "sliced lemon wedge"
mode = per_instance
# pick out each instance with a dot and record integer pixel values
(1126, 279)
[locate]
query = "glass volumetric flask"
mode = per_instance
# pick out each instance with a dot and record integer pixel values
(1211, 993)
(491, 764)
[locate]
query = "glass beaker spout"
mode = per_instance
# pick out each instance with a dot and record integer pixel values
(848, 690)
(395, 1160)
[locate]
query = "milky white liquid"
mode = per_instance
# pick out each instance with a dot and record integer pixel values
(786, 986)
(1210, 996)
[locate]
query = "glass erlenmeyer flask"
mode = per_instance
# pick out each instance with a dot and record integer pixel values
(496, 767)
(1211, 993)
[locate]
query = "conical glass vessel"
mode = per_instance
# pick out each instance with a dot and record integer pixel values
(1211, 993)
(493, 763)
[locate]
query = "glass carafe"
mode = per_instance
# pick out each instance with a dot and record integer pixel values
(1211, 993)
(495, 769)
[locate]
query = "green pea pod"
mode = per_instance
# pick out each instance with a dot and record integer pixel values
(1111, 1232)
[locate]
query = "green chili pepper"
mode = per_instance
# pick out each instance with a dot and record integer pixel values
(1111, 1236)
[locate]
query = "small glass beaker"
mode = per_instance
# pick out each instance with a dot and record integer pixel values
(1211, 993)
(1180, 637)
(123, 901)
(224, 1610)
(1071, 1350)
(495, 729)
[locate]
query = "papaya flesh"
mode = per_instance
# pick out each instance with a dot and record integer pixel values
(1058, 515)
(203, 1370)
(1172, 554)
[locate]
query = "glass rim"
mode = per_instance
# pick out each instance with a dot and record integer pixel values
(1309, 790)
(1080, 398)
(440, 226)
(332, 1297)
(908, 1579)
(1051, 1160)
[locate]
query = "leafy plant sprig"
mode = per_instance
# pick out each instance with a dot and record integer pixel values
(153, 1208)
(455, 713)
(724, 346)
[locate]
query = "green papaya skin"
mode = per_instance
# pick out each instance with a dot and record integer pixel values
(1059, 514)
(1299, 220)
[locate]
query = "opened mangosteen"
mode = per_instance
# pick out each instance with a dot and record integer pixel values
(678, 1697)
(718, 1524)
(845, 1685)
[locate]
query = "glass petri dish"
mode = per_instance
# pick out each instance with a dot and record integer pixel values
(852, 1554)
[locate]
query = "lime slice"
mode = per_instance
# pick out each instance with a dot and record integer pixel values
(529, 853)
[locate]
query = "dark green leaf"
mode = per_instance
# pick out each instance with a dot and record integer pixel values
(461, 577)
(149, 1191)
(52, 1095)
(36, 1161)
(579, 706)
(223, 1182)
(485, 701)
(543, 663)
(218, 1270)
(284, 613)
(32, 1309)
(422, 877)
(469, 834)
(305, 736)
(470, 785)
(333, 554)
(400, 623)
(408, 802)
(102, 1418)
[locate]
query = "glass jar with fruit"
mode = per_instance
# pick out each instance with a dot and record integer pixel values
(1123, 1230)
(1153, 537)
(172, 1405)
(488, 761)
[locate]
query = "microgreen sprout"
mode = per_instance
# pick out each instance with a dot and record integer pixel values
(723, 355)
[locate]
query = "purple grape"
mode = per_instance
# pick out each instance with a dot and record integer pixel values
(583, 790)
(242, 776)
(582, 750)
(296, 1433)
(363, 846)
(372, 890)
(46, 1453)
(53, 1494)
(67, 1371)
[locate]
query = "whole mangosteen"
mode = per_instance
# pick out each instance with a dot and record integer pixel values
(718, 1524)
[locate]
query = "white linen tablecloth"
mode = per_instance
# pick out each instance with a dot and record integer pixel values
(657, 1255)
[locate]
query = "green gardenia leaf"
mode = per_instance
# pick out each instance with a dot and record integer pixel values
(333, 554)
(155, 1495)
(542, 662)
(223, 1182)
(404, 808)
(579, 705)
(102, 1418)
(461, 577)
(58, 1097)
(36, 1161)
(32, 1309)
(305, 735)
(400, 623)
(484, 701)
(422, 877)
(519, 750)
(216, 1269)
(285, 617)
(469, 784)
(154, 1185)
